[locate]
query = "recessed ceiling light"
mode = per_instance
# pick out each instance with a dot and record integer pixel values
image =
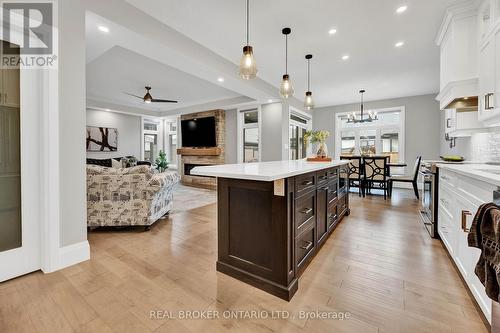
(401, 9)
(220, 79)
(399, 44)
(332, 31)
(345, 57)
(103, 28)
(269, 100)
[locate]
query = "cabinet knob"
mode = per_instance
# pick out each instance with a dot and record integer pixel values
(310, 182)
(465, 213)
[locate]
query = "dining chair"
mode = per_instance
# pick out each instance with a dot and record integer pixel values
(375, 173)
(355, 173)
(408, 179)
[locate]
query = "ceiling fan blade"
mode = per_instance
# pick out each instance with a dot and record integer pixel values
(162, 101)
(126, 93)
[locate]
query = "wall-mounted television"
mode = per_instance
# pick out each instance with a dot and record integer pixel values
(199, 132)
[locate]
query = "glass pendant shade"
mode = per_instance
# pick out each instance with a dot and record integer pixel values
(309, 102)
(286, 88)
(248, 67)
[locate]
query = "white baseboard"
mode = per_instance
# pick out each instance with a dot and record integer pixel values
(73, 254)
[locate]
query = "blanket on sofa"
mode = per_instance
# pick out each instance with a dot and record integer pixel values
(128, 197)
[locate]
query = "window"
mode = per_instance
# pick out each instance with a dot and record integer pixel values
(150, 147)
(152, 139)
(172, 144)
(384, 137)
(299, 125)
(249, 135)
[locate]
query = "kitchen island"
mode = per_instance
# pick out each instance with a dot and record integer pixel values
(273, 217)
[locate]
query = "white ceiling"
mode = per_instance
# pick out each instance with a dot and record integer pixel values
(367, 31)
(119, 70)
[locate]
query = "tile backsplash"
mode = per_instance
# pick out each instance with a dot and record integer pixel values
(485, 147)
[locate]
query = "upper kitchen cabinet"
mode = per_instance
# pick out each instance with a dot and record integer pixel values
(457, 40)
(489, 62)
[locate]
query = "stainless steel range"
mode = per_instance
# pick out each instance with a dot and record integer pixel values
(430, 186)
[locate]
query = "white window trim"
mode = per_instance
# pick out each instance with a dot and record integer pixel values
(402, 126)
(308, 126)
(241, 127)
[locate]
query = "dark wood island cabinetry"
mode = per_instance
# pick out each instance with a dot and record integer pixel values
(268, 231)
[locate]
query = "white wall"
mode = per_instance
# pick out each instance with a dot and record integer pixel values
(272, 125)
(129, 132)
(73, 202)
(422, 127)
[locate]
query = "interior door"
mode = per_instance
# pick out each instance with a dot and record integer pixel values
(19, 181)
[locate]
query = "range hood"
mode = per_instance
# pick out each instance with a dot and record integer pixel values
(460, 95)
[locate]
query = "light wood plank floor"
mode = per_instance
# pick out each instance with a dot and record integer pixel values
(380, 265)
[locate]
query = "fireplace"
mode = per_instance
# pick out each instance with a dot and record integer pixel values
(192, 157)
(188, 167)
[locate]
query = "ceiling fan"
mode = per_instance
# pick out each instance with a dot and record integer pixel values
(149, 99)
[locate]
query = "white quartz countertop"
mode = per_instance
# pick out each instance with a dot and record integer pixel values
(484, 172)
(264, 171)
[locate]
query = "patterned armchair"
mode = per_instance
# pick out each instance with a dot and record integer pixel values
(128, 197)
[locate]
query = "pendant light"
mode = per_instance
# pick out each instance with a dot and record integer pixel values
(248, 68)
(309, 102)
(286, 89)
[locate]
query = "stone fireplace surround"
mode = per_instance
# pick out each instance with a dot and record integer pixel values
(204, 156)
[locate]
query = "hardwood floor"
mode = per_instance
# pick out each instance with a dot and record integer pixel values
(379, 265)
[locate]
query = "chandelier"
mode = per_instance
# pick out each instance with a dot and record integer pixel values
(372, 116)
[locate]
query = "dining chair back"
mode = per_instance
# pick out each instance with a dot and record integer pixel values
(375, 173)
(355, 172)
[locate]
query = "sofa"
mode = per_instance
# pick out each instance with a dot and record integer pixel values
(135, 196)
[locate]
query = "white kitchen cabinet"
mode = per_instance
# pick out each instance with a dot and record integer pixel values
(462, 123)
(459, 198)
(457, 40)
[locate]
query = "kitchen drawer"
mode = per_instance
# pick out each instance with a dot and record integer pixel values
(446, 199)
(333, 173)
(304, 184)
(305, 212)
(342, 205)
(322, 176)
(447, 232)
(332, 215)
(447, 178)
(474, 190)
(304, 247)
(332, 192)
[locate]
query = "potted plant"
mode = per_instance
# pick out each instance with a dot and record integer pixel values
(318, 137)
(161, 161)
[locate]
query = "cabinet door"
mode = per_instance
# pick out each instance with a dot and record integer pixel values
(497, 69)
(446, 62)
(11, 81)
(467, 257)
(486, 77)
(463, 254)
(450, 120)
(321, 215)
